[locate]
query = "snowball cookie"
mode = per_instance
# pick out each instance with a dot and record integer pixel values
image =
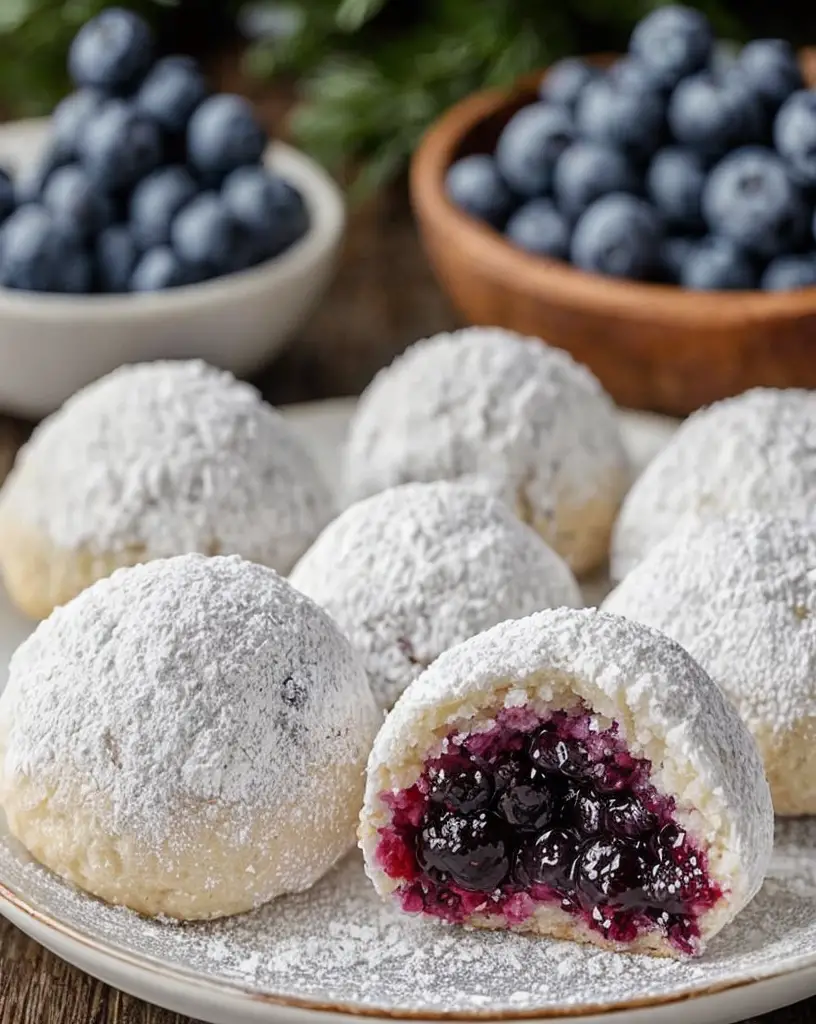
(187, 737)
(740, 595)
(756, 452)
(533, 426)
(414, 570)
(574, 775)
(154, 460)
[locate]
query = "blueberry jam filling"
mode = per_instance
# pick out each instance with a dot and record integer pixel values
(546, 812)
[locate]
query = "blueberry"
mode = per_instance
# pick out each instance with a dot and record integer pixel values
(155, 201)
(268, 206)
(587, 811)
(469, 850)
(565, 81)
(116, 256)
(70, 118)
(718, 264)
(461, 786)
(206, 234)
(77, 206)
(222, 134)
(30, 183)
(8, 199)
(160, 268)
(673, 41)
(674, 183)
(674, 251)
(119, 146)
(31, 251)
(623, 113)
(618, 235)
(795, 135)
(528, 801)
(475, 185)
(530, 145)
(609, 869)
(548, 859)
(588, 170)
(538, 227)
(772, 70)
(786, 273)
(749, 197)
(630, 73)
(76, 270)
(553, 754)
(714, 115)
(628, 818)
(170, 93)
(111, 51)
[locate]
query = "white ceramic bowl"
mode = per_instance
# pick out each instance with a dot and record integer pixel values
(50, 345)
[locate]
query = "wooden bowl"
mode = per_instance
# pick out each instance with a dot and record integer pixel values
(653, 347)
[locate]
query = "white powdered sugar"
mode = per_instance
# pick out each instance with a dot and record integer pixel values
(414, 570)
(182, 689)
(756, 452)
(172, 457)
(739, 593)
(668, 710)
(524, 418)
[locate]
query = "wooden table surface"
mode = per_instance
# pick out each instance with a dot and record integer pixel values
(383, 299)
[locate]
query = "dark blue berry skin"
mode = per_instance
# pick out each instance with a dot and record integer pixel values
(112, 51)
(674, 183)
(70, 118)
(750, 198)
(475, 186)
(78, 207)
(717, 264)
(673, 41)
(565, 81)
(771, 69)
(119, 146)
(76, 271)
(30, 183)
(540, 228)
(8, 200)
(787, 273)
(171, 91)
(31, 251)
(610, 870)
(155, 201)
(159, 268)
(470, 850)
(588, 170)
(268, 207)
(631, 73)
(222, 134)
(622, 113)
(714, 115)
(116, 256)
(674, 251)
(794, 135)
(618, 235)
(530, 145)
(206, 234)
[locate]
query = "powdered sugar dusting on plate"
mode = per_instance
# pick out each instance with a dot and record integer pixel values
(341, 945)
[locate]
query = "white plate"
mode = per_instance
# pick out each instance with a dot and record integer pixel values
(339, 949)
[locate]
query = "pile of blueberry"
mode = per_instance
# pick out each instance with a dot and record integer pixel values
(147, 181)
(683, 162)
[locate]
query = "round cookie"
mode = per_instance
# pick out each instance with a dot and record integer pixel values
(154, 460)
(755, 452)
(523, 419)
(739, 594)
(411, 571)
(571, 774)
(186, 737)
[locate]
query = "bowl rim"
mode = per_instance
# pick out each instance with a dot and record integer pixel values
(518, 270)
(327, 217)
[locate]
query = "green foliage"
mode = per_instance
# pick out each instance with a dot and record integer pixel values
(377, 72)
(34, 39)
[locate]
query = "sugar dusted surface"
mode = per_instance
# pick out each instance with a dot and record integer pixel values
(171, 457)
(755, 452)
(342, 945)
(412, 571)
